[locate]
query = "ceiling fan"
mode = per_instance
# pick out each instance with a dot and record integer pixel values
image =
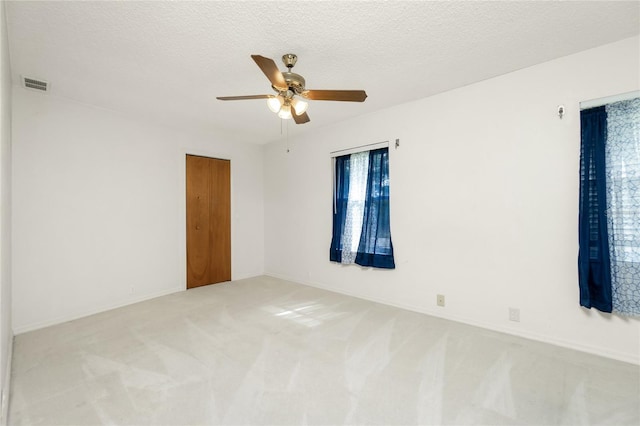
(288, 85)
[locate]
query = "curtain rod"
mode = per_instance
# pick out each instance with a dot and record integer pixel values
(358, 147)
(592, 103)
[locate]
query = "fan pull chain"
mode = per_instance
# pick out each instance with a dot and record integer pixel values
(287, 136)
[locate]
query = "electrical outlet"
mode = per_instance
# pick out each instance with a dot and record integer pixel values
(514, 314)
(440, 300)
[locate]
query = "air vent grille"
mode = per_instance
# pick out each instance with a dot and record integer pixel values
(32, 83)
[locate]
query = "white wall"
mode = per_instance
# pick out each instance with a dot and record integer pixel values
(99, 208)
(6, 334)
(484, 203)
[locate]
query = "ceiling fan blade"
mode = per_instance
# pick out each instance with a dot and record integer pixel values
(272, 72)
(299, 119)
(242, 98)
(335, 95)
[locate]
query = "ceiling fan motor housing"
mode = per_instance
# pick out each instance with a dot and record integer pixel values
(294, 81)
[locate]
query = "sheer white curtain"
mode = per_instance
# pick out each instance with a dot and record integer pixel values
(623, 203)
(358, 171)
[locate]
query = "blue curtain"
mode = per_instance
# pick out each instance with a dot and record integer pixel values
(375, 248)
(593, 257)
(340, 200)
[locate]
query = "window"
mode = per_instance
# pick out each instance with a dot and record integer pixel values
(361, 225)
(609, 256)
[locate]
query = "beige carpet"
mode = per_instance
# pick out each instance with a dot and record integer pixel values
(265, 351)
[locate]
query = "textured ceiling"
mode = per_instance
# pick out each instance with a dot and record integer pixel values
(167, 61)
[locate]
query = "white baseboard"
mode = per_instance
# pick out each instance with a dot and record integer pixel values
(6, 388)
(81, 314)
(607, 353)
(59, 320)
(245, 276)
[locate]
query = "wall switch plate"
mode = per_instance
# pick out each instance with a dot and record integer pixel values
(440, 300)
(514, 314)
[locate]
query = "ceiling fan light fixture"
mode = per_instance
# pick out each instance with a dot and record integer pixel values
(299, 106)
(275, 103)
(285, 112)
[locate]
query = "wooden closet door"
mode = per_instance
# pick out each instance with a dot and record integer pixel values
(208, 221)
